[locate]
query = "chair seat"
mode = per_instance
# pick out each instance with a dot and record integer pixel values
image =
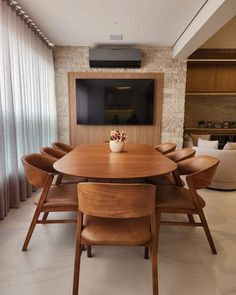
(171, 196)
(110, 231)
(63, 195)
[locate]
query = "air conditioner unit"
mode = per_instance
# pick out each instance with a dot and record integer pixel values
(115, 58)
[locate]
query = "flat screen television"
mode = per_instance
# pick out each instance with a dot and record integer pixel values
(114, 101)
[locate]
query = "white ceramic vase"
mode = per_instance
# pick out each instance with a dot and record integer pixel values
(117, 147)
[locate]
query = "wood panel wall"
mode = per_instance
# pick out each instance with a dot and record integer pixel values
(212, 71)
(99, 133)
(211, 77)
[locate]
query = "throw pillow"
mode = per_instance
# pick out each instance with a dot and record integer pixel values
(208, 144)
(230, 146)
(195, 137)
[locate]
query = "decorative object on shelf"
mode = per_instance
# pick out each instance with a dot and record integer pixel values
(226, 124)
(201, 124)
(232, 124)
(117, 141)
(218, 125)
(209, 124)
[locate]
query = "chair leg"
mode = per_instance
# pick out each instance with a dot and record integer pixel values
(154, 252)
(146, 252)
(207, 232)
(158, 223)
(78, 251)
(191, 218)
(45, 215)
(89, 251)
(31, 229)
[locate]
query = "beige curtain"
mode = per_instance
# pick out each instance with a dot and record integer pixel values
(27, 103)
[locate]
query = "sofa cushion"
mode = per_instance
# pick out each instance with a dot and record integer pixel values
(195, 138)
(208, 144)
(230, 146)
(225, 175)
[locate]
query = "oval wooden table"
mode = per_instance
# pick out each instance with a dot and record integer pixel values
(97, 161)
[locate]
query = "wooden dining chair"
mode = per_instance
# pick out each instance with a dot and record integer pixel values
(62, 146)
(61, 178)
(117, 214)
(53, 152)
(39, 172)
(181, 200)
(181, 154)
(176, 156)
(166, 147)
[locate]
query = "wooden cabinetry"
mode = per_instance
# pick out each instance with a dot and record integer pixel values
(211, 71)
(211, 77)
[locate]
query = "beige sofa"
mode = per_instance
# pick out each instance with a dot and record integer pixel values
(225, 176)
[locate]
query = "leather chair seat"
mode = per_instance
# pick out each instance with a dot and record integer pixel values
(63, 195)
(110, 231)
(171, 196)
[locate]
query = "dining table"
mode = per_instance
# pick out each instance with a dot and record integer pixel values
(96, 161)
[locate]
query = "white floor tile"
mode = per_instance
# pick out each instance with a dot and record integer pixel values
(186, 265)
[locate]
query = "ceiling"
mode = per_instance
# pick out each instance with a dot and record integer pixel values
(141, 22)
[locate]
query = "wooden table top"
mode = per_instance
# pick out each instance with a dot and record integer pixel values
(97, 161)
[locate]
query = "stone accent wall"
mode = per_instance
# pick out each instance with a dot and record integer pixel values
(155, 59)
(214, 108)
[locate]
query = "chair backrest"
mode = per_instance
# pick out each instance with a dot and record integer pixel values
(63, 146)
(165, 148)
(181, 154)
(53, 152)
(199, 170)
(38, 168)
(115, 200)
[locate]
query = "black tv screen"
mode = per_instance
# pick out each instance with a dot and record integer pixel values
(114, 101)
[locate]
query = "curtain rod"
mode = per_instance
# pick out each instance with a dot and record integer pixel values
(30, 23)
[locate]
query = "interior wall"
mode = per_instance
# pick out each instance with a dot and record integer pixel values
(214, 108)
(154, 60)
(224, 38)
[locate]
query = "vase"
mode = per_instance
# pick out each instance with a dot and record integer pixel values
(116, 147)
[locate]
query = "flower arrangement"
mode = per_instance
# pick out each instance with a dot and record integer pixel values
(117, 136)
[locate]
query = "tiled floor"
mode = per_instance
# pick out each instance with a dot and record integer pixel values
(186, 265)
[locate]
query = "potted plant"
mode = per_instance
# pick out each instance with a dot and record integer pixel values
(201, 124)
(117, 140)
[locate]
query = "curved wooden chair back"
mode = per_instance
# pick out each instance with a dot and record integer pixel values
(172, 199)
(199, 170)
(181, 154)
(38, 168)
(165, 148)
(116, 200)
(40, 173)
(53, 152)
(62, 146)
(113, 200)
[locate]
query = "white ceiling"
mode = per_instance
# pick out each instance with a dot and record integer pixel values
(182, 24)
(90, 22)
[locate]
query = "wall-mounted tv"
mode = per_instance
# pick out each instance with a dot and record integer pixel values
(115, 101)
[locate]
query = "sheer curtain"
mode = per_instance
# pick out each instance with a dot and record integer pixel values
(27, 103)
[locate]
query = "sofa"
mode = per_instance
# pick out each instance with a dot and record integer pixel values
(225, 176)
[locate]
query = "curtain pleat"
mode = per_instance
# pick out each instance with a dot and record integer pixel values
(27, 104)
